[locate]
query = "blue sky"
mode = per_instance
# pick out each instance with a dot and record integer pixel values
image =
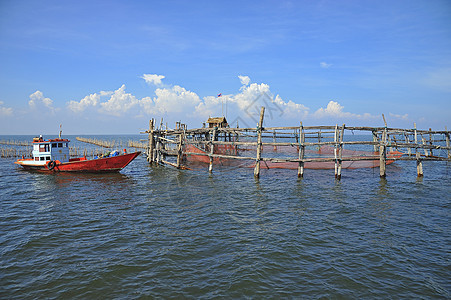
(106, 67)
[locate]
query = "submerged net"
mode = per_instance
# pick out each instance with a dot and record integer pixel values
(243, 157)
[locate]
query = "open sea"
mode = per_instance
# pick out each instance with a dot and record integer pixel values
(159, 232)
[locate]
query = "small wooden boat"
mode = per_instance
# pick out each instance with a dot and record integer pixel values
(52, 155)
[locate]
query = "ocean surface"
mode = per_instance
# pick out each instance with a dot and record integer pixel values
(159, 232)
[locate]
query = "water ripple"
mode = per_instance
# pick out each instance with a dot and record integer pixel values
(163, 233)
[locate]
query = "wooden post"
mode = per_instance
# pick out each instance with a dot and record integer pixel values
(382, 154)
(158, 148)
(374, 140)
(340, 152)
(417, 154)
(336, 150)
(301, 151)
(259, 143)
(409, 150)
(179, 150)
(274, 139)
(212, 148)
(151, 142)
(430, 141)
(389, 142)
(319, 140)
(447, 141)
(424, 143)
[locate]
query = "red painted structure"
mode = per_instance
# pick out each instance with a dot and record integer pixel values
(324, 152)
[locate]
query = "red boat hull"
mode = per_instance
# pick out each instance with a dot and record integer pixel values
(100, 165)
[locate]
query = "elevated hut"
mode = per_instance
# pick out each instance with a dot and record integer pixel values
(219, 122)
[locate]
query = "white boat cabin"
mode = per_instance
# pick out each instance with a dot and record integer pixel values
(52, 149)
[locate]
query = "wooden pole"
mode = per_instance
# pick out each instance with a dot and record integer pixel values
(426, 153)
(382, 154)
(430, 140)
(340, 151)
(212, 148)
(336, 150)
(259, 143)
(447, 141)
(374, 140)
(301, 151)
(319, 140)
(158, 148)
(424, 143)
(417, 154)
(274, 139)
(389, 142)
(409, 150)
(179, 150)
(151, 142)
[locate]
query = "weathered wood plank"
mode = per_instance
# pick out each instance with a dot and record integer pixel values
(259, 143)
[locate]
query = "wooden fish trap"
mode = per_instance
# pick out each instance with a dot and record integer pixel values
(299, 147)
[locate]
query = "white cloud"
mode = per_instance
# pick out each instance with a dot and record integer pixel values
(175, 100)
(401, 117)
(291, 109)
(152, 78)
(324, 65)
(244, 101)
(210, 106)
(119, 103)
(5, 111)
(38, 101)
(90, 100)
(334, 109)
(247, 103)
(244, 79)
(184, 104)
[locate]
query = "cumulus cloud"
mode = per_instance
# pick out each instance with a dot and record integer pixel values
(182, 103)
(39, 102)
(90, 100)
(249, 97)
(120, 102)
(247, 102)
(210, 105)
(5, 111)
(244, 79)
(291, 109)
(334, 109)
(175, 100)
(152, 78)
(324, 65)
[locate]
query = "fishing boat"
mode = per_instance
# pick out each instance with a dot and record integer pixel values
(52, 155)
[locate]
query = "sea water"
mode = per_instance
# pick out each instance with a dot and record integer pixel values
(159, 232)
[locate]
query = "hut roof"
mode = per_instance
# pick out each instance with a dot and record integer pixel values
(217, 120)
